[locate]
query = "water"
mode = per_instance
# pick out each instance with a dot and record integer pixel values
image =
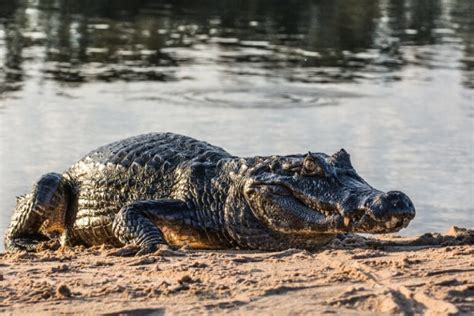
(390, 81)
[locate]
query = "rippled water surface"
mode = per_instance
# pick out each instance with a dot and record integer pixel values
(390, 81)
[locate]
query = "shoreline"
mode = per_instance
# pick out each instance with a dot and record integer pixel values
(430, 274)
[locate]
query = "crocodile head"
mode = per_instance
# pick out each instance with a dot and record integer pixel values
(319, 194)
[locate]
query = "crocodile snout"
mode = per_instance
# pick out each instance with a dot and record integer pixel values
(389, 212)
(393, 203)
(400, 204)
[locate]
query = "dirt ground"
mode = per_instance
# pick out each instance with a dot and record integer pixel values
(429, 274)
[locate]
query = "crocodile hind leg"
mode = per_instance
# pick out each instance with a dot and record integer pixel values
(40, 214)
(138, 223)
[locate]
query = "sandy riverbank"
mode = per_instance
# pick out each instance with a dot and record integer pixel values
(429, 274)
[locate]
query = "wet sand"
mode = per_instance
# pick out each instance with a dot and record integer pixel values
(429, 274)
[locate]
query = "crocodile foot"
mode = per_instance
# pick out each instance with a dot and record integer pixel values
(22, 244)
(133, 250)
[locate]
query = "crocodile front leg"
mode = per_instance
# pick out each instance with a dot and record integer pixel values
(138, 223)
(40, 214)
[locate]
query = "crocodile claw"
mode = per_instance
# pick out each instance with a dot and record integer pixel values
(133, 250)
(165, 250)
(126, 251)
(22, 244)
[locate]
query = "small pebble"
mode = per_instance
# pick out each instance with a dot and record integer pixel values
(186, 279)
(198, 265)
(63, 291)
(60, 268)
(178, 287)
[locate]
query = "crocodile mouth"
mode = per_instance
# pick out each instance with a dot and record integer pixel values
(289, 211)
(293, 211)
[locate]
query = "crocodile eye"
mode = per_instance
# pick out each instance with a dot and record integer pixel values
(311, 167)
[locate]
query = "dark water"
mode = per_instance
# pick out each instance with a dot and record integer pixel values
(391, 81)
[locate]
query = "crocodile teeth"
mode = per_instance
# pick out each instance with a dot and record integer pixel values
(392, 223)
(347, 221)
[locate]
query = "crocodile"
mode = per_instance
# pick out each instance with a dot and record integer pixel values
(163, 191)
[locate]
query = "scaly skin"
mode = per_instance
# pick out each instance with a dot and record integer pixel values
(164, 189)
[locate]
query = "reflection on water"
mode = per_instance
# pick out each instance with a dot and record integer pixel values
(306, 41)
(391, 80)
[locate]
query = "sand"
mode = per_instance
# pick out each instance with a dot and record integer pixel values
(430, 274)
